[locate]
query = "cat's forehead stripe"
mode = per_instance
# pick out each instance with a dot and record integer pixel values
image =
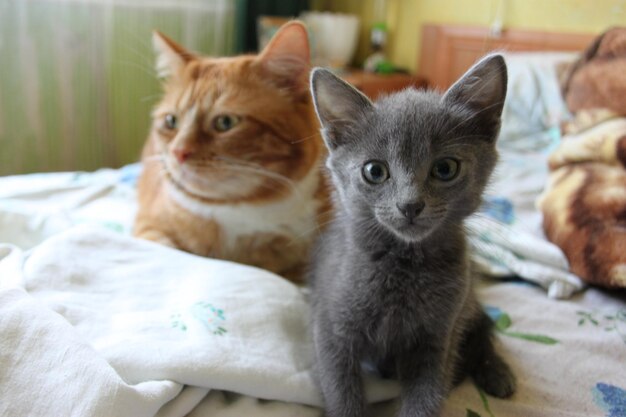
(184, 99)
(196, 95)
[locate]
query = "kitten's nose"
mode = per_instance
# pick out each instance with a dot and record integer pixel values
(181, 154)
(411, 210)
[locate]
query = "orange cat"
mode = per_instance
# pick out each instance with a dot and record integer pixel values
(231, 165)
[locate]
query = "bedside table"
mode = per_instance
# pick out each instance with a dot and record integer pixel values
(374, 85)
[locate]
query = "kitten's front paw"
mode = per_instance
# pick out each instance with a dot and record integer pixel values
(495, 378)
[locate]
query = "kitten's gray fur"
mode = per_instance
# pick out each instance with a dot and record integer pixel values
(395, 288)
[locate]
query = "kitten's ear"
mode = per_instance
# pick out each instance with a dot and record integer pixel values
(482, 89)
(337, 103)
(171, 57)
(287, 56)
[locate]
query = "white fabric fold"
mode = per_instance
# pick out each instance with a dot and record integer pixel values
(155, 317)
(47, 368)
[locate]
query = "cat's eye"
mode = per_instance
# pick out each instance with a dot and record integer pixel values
(445, 169)
(171, 122)
(375, 172)
(225, 122)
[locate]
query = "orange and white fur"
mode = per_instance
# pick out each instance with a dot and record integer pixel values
(231, 165)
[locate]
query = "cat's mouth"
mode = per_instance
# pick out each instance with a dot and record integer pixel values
(221, 180)
(208, 181)
(412, 230)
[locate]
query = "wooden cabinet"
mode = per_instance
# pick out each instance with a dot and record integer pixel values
(373, 85)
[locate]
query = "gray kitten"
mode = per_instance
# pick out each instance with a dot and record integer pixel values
(390, 279)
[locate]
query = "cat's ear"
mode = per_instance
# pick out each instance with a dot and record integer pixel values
(482, 89)
(337, 103)
(287, 56)
(171, 57)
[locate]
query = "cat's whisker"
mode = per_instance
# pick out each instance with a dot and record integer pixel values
(261, 170)
(372, 225)
(245, 168)
(250, 167)
(320, 225)
(293, 142)
(141, 41)
(150, 97)
(295, 238)
(146, 70)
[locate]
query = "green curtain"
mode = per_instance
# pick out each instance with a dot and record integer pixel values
(76, 77)
(250, 10)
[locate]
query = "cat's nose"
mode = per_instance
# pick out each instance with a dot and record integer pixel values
(181, 154)
(412, 209)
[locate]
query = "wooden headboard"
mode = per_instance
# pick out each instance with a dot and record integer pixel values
(449, 50)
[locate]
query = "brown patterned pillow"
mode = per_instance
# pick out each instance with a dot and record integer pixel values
(584, 203)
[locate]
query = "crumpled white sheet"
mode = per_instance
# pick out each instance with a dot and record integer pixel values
(95, 323)
(115, 325)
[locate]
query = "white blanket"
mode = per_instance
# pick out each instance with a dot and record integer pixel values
(157, 319)
(95, 323)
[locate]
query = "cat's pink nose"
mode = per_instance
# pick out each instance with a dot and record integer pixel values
(181, 154)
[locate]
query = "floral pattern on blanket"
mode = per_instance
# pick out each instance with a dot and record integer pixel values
(485, 402)
(610, 398)
(608, 321)
(503, 322)
(204, 312)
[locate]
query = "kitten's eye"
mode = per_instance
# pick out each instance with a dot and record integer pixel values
(445, 169)
(375, 172)
(171, 122)
(225, 122)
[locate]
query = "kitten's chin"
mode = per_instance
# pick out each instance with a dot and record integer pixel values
(411, 232)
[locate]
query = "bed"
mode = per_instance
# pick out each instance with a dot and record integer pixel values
(94, 322)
